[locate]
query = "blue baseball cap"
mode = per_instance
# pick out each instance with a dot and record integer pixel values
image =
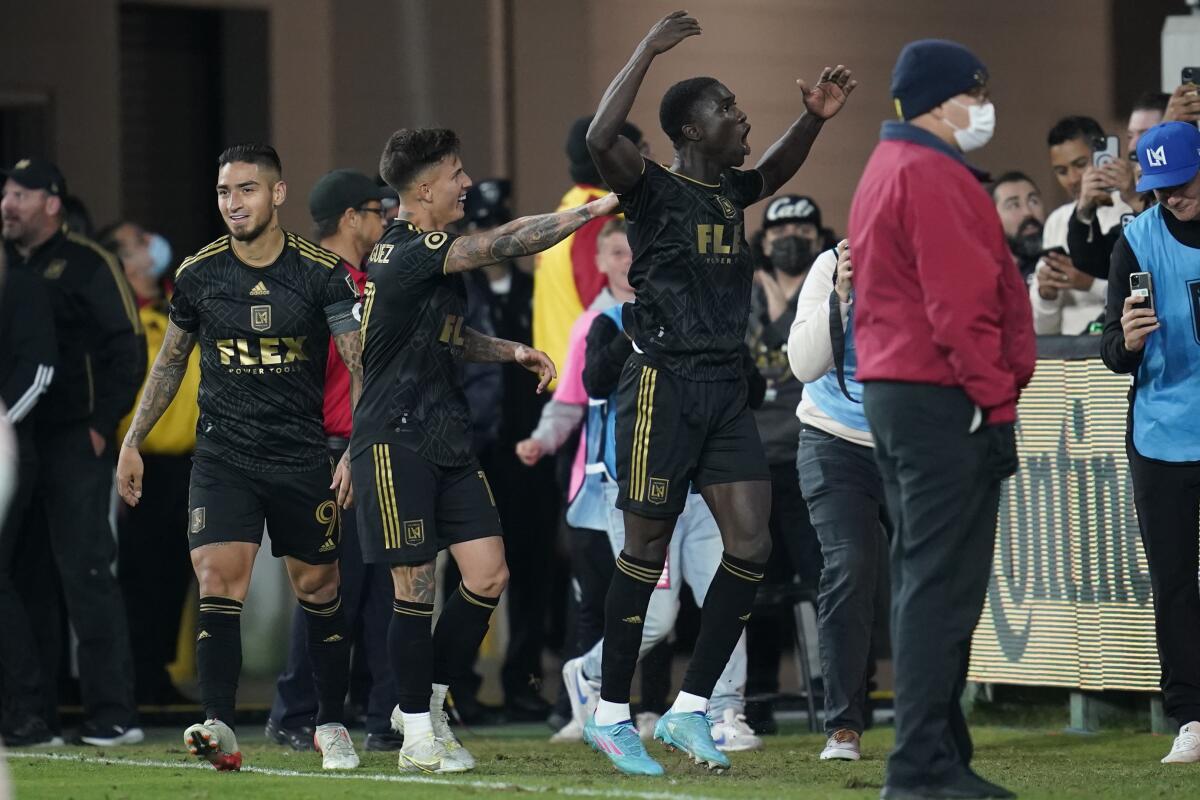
(1169, 154)
(931, 71)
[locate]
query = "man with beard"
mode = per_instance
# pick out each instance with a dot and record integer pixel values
(262, 304)
(692, 274)
(1019, 204)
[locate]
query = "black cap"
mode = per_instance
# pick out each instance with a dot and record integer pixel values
(487, 203)
(33, 173)
(791, 208)
(336, 191)
(581, 167)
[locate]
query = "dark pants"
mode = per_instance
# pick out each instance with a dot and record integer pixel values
(845, 502)
(367, 603)
(591, 568)
(1167, 497)
(21, 674)
(942, 485)
(75, 491)
(155, 571)
(794, 551)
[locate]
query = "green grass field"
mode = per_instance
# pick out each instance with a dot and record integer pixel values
(518, 762)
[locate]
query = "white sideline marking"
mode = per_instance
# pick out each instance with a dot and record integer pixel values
(369, 776)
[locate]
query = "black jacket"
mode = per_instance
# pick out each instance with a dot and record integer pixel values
(28, 350)
(101, 349)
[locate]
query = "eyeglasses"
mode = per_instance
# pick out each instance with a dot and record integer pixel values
(371, 210)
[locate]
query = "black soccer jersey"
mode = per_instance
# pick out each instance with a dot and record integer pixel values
(692, 270)
(412, 321)
(263, 334)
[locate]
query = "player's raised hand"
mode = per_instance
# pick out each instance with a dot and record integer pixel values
(129, 475)
(830, 93)
(670, 31)
(343, 488)
(538, 363)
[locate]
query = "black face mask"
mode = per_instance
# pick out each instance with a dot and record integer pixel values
(792, 255)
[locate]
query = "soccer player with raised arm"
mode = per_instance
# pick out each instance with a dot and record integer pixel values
(418, 485)
(682, 418)
(261, 303)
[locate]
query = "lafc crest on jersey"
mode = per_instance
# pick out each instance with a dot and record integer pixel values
(260, 317)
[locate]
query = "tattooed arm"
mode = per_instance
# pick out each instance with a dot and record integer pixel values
(524, 236)
(477, 347)
(349, 347)
(161, 386)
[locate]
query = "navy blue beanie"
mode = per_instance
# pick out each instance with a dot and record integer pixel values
(931, 71)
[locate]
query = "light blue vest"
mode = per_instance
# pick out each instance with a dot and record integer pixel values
(826, 394)
(1166, 406)
(590, 508)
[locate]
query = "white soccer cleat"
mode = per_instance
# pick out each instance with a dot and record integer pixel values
(441, 732)
(214, 741)
(571, 732)
(333, 742)
(1186, 748)
(428, 754)
(843, 745)
(584, 694)
(731, 733)
(645, 722)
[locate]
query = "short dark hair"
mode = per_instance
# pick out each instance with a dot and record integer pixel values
(1012, 176)
(410, 150)
(614, 225)
(1151, 100)
(678, 105)
(1076, 127)
(262, 155)
(328, 227)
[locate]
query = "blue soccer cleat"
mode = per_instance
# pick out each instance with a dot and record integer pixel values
(621, 744)
(691, 732)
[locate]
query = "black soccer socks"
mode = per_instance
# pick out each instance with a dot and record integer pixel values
(460, 630)
(726, 610)
(219, 656)
(410, 650)
(625, 607)
(329, 651)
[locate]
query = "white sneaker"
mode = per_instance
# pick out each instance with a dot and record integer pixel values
(428, 755)
(441, 732)
(584, 694)
(843, 745)
(332, 741)
(1186, 749)
(571, 732)
(645, 723)
(731, 734)
(214, 741)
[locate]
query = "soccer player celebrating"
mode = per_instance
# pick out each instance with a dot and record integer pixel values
(262, 303)
(682, 418)
(418, 486)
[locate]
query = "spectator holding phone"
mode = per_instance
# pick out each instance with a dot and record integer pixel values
(1065, 298)
(1154, 339)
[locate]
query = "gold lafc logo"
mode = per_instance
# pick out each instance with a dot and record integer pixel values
(658, 490)
(260, 318)
(726, 207)
(414, 531)
(197, 523)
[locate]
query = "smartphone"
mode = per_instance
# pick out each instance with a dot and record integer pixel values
(1190, 75)
(1062, 251)
(1105, 150)
(1141, 285)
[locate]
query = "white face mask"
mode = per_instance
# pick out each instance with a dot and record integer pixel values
(980, 127)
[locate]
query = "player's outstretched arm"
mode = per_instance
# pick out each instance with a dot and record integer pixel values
(479, 347)
(161, 386)
(821, 102)
(618, 159)
(349, 347)
(524, 236)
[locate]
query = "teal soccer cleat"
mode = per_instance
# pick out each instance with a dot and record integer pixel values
(621, 744)
(692, 733)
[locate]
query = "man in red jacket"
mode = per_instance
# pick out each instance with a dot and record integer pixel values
(945, 345)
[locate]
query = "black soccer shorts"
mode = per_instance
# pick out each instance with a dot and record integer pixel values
(673, 433)
(227, 504)
(408, 508)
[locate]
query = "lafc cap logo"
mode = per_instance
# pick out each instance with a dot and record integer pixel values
(1156, 157)
(658, 490)
(260, 317)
